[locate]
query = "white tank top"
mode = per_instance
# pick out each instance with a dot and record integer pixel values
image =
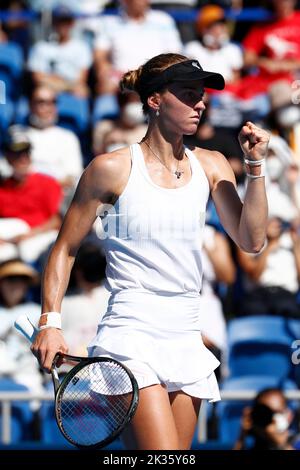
(152, 236)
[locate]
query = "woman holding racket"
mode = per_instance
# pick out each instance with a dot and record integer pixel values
(151, 198)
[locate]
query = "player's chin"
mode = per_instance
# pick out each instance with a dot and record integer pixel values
(191, 128)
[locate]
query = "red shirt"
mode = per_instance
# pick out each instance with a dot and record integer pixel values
(35, 201)
(278, 40)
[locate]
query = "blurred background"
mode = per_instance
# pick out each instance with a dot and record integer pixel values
(60, 65)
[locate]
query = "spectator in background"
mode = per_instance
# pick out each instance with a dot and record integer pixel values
(282, 180)
(267, 423)
(214, 138)
(213, 48)
(62, 63)
(16, 28)
(88, 23)
(272, 276)
(218, 267)
(127, 40)
(215, 51)
(271, 53)
(16, 360)
(54, 151)
(275, 47)
(271, 279)
(285, 114)
(130, 127)
(89, 295)
(29, 204)
(182, 7)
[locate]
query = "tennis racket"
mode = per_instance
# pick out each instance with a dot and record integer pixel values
(95, 400)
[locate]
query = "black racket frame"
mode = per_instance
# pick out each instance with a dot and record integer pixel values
(59, 388)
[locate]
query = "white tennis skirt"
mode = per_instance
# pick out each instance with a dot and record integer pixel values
(158, 338)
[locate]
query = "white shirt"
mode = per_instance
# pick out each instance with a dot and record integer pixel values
(66, 60)
(81, 314)
(82, 6)
(279, 203)
(55, 152)
(224, 60)
(132, 43)
(280, 270)
(16, 359)
(188, 3)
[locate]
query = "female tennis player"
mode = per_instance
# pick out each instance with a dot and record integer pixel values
(151, 198)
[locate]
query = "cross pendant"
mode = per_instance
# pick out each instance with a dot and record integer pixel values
(178, 174)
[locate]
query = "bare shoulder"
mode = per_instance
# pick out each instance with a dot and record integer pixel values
(108, 173)
(111, 165)
(214, 164)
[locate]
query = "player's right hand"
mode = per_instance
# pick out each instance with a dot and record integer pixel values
(47, 344)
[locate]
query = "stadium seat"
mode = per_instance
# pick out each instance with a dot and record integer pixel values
(51, 435)
(229, 413)
(21, 415)
(11, 68)
(261, 345)
(73, 113)
(21, 111)
(6, 118)
(105, 107)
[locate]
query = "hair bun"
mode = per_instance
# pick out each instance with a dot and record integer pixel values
(130, 80)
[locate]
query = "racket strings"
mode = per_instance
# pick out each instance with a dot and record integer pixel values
(95, 403)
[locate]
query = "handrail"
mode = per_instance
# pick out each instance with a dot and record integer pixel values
(7, 397)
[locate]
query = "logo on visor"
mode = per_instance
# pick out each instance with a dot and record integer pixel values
(195, 64)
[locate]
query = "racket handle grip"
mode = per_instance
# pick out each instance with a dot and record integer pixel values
(24, 325)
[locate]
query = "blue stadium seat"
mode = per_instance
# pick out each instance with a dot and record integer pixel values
(21, 415)
(6, 118)
(261, 345)
(51, 435)
(105, 107)
(229, 413)
(21, 111)
(73, 113)
(11, 68)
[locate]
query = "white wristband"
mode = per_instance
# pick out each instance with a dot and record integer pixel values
(261, 164)
(254, 162)
(53, 320)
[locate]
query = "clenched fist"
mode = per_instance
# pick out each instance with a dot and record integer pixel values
(254, 141)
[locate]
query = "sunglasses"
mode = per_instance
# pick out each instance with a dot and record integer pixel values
(43, 101)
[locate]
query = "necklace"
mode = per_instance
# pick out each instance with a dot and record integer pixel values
(177, 172)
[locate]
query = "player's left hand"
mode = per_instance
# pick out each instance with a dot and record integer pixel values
(254, 141)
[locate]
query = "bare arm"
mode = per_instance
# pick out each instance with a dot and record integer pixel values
(245, 223)
(254, 266)
(107, 77)
(78, 87)
(296, 248)
(252, 59)
(53, 223)
(103, 179)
